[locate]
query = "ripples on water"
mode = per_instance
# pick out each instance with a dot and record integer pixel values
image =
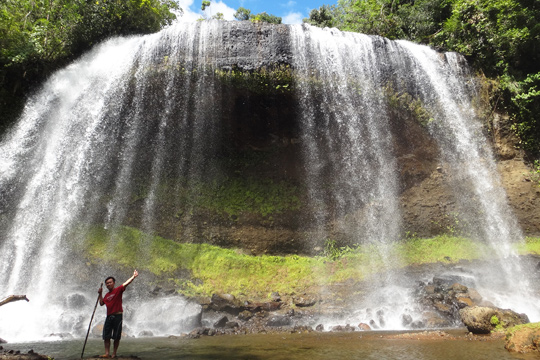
(311, 346)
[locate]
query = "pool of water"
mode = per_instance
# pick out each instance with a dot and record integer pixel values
(309, 346)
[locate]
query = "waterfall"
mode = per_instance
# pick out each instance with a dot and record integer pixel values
(351, 160)
(138, 117)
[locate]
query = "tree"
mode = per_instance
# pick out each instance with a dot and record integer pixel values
(242, 14)
(219, 16)
(324, 16)
(264, 17)
(39, 36)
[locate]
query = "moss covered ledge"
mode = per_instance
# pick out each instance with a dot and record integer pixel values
(202, 269)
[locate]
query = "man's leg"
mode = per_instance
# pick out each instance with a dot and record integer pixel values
(107, 332)
(108, 346)
(115, 347)
(117, 333)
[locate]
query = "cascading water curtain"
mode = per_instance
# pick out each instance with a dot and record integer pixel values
(133, 120)
(351, 164)
(443, 87)
(350, 161)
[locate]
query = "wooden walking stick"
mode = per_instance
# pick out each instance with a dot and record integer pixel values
(89, 325)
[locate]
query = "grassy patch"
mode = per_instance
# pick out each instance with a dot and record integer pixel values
(441, 248)
(510, 331)
(531, 245)
(213, 269)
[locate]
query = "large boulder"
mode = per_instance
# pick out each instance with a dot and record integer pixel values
(443, 298)
(226, 303)
(483, 319)
(524, 338)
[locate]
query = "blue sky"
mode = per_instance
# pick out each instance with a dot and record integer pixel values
(291, 11)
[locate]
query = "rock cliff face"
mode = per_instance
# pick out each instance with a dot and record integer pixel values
(216, 132)
(261, 138)
(254, 138)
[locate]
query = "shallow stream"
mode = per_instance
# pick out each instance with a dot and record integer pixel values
(312, 346)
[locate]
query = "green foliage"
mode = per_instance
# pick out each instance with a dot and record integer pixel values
(212, 269)
(237, 195)
(535, 172)
(218, 16)
(335, 252)
(511, 330)
(494, 320)
(243, 14)
(325, 16)
(531, 245)
(376, 17)
(525, 106)
(443, 248)
(264, 17)
(405, 102)
(39, 36)
(229, 197)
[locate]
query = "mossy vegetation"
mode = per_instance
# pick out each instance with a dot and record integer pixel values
(213, 269)
(278, 79)
(260, 196)
(531, 245)
(228, 196)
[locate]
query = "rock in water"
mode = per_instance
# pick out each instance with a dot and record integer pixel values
(483, 320)
(523, 339)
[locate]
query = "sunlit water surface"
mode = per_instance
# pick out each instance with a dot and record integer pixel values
(312, 346)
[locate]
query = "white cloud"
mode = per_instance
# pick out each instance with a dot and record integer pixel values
(289, 4)
(188, 15)
(215, 7)
(220, 7)
(292, 18)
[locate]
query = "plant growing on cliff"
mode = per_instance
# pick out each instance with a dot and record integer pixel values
(243, 14)
(403, 101)
(279, 79)
(535, 172)
(334, 252)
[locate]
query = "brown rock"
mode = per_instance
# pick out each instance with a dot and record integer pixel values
(464, 301)
(305, 301)
(523, 339)
(483, 320)
(363, 326)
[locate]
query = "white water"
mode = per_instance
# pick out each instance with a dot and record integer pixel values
(77, 153)
(348, 148)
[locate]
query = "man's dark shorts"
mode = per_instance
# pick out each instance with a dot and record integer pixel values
(113, 327)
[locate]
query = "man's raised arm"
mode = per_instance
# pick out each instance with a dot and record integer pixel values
(128, 281)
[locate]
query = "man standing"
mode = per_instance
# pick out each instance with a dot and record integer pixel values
(113, 324)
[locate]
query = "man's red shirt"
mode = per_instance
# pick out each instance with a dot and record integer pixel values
(113, 300)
